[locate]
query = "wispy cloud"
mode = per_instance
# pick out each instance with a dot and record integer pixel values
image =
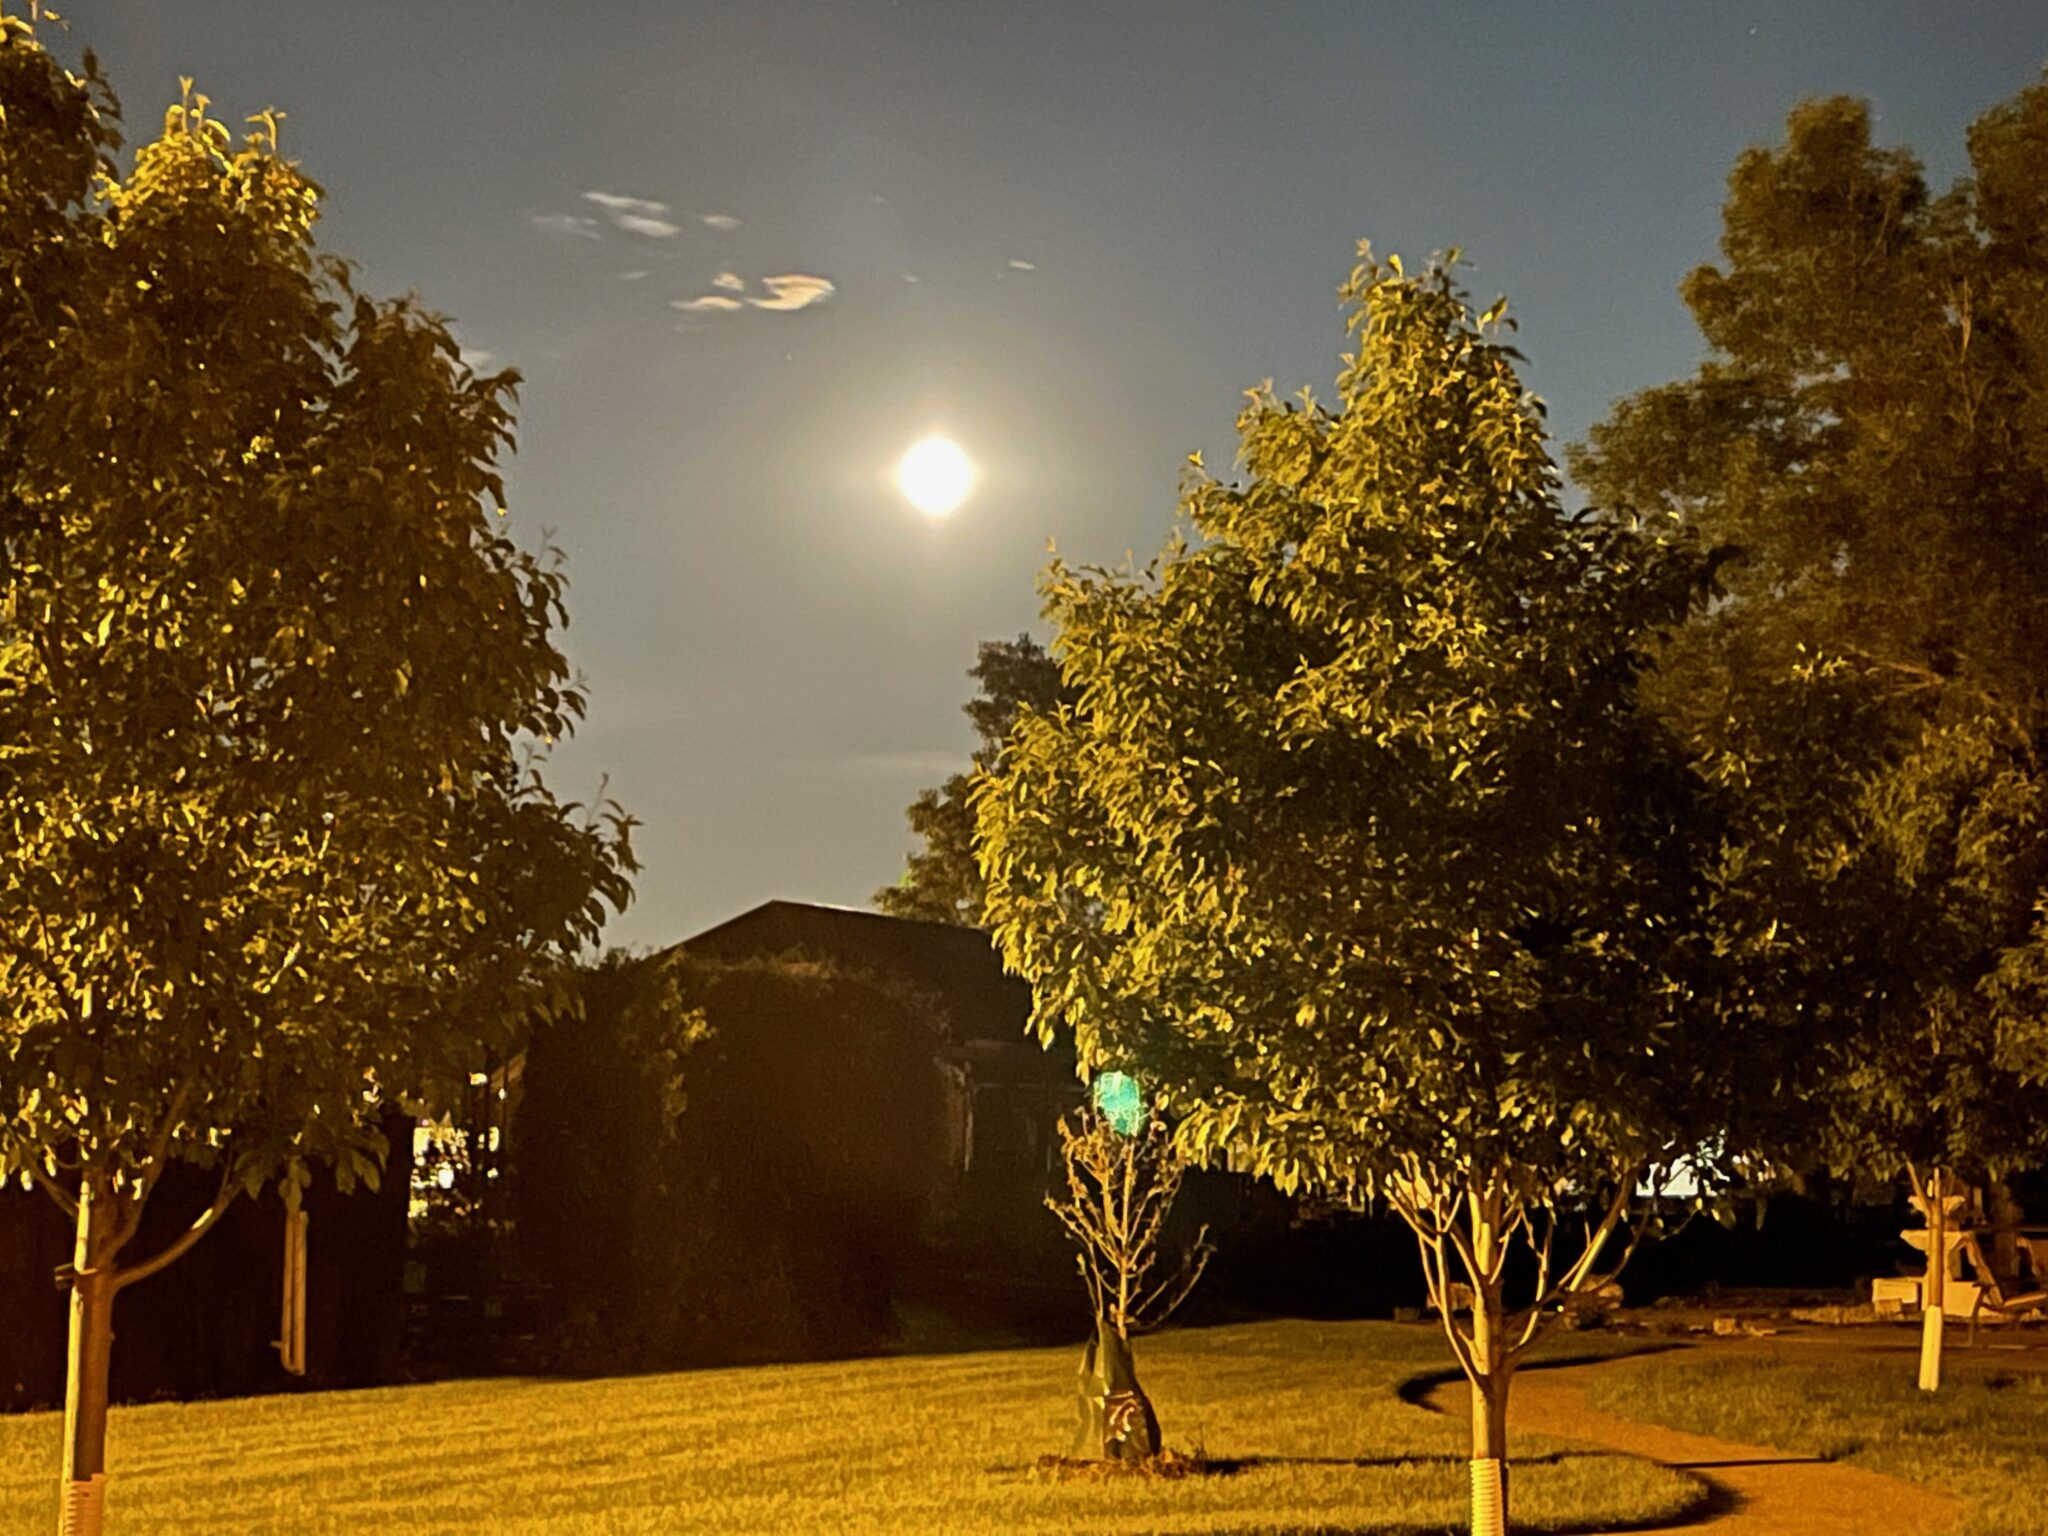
(566, 224)
(615, 203)
(644, 224)
(1023, 266)
(633, 277)
(794, 290)
(725, 223)
(790, 291)
(636, 215)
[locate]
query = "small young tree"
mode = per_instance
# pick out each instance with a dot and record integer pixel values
(1356, 845)
(271, 856)
(1121, 1184)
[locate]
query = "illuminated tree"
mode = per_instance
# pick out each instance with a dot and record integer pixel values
(1355, 844)
(271, 858)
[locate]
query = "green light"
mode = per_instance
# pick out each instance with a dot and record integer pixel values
(1117, 1099)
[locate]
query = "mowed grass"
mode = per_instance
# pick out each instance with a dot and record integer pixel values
(914, 1444)
(1982, 1439)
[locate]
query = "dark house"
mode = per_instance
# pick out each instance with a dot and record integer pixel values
(1004, 1093)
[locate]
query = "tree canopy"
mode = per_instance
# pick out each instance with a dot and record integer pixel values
(1353, 843)
(1869, 432)
(274, 850)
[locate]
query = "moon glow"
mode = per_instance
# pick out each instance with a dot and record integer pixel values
(935, 476)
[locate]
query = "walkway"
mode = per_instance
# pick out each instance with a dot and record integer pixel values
(1754, 1490)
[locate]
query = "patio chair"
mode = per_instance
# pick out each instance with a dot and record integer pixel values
(2002, 1296)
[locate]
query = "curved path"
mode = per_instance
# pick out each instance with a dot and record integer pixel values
(1754, 1490)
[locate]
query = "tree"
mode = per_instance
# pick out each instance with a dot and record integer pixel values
(1870, 429)
(942, 884)
(1356, 847)
(273, 853)
(1121, 1185)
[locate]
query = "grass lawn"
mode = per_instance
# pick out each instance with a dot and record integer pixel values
(923, 1444)
(1983, 1439)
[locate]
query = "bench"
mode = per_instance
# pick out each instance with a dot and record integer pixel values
(2003, 1296)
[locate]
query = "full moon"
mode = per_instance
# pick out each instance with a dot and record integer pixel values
(935, 475)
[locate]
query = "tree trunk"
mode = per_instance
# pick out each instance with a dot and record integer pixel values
(1490, 1457)
(84, 1485)
(2006, 1214)
(1490, 1385)
(1934, 1289)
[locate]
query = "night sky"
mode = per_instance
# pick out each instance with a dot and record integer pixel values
(1069, 236)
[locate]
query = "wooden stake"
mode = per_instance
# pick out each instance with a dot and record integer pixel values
(1934, 1290)
(291, 1341)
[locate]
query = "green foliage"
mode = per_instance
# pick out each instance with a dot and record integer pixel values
(1870, 433)
(720, 1162)
(1354, 846)
(273, 853)
(942, 884)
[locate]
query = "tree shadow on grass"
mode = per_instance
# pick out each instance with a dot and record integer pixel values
(1415, 1390)
(1710, 1500)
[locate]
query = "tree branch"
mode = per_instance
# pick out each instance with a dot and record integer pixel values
(1574, 1279)
(55, 1191)
(160, 1143)
(123, 1278)
(1429, 1243)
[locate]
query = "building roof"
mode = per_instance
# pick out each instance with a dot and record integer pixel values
(958, 966)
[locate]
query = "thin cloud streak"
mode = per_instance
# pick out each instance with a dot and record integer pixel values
(710, 303)
(616, 203)
(724, 223)
(643, 224)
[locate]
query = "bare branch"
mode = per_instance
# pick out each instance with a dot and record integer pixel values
(1429, 1243)
(229, 1188)
(1575, 1278)
(1149, 1312)
(160, 1143)
(57, 1192)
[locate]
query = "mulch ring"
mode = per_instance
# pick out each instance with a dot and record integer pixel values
(1168, 1464)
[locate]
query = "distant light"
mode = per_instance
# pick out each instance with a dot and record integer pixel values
(1117, 1100)
(935, 475)
(445, 1176)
